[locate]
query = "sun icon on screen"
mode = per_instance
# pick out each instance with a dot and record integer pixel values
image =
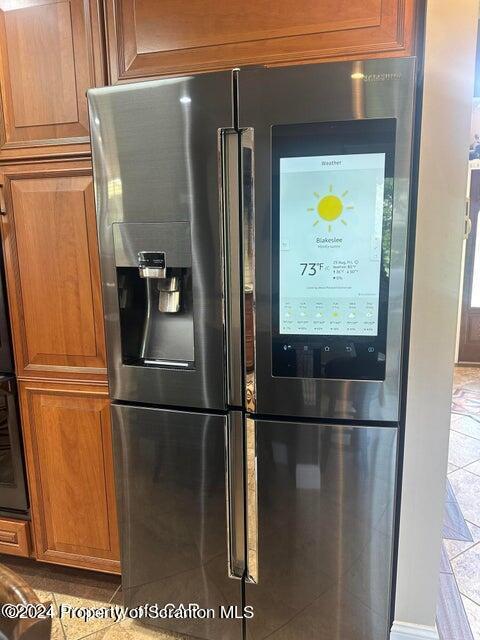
(330, 207)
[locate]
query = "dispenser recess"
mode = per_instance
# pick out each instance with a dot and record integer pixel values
(154, 280)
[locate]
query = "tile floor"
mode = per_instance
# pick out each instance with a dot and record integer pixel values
(63, 586)
(458, 616)
(459, 600)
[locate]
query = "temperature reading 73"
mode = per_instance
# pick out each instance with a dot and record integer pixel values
(311, 268)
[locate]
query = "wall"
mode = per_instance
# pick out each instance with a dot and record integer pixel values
(451, 29)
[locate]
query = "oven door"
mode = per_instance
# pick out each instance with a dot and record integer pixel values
(13, 494)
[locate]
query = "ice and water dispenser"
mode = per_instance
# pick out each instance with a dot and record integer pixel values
(153, 264)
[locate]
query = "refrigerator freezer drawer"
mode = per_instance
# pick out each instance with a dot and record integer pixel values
(171, 491)
(323, 531)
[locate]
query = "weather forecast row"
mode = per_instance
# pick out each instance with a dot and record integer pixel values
(329, 316)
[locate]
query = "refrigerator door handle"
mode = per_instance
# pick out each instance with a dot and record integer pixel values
(251, 501)
(232, 269)
(248, 237)
(235, 495)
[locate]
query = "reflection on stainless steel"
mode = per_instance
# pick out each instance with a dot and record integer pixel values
(358, 95)
(325, 516)
(7, 473)
(269, 97)
(170, 475)
(149, 272)
(155, 162)
(248, 209)
(235, 499)
(169, 301)
(251, 500)
(228, 158)
(147, 321)
(169, 285)
(167, 363)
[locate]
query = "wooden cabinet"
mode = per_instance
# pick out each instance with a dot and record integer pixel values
(147, 37)
(15, 537)
(51, 52)
(68, 448)
(52, 266)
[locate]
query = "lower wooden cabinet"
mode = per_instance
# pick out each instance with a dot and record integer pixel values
(15, 537)
(69, 458)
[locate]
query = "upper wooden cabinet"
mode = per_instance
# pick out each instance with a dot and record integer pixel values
(51, 260)
(148, 37)
(50, 54)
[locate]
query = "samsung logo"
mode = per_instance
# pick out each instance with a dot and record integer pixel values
(381, 77)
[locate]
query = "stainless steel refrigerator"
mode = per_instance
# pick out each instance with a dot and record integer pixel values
(253, 231)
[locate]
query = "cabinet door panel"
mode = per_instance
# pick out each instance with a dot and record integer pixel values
(69, 461)
(50, 54)
(52, 267)
(147, 37)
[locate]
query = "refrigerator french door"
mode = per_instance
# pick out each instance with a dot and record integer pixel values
(253, 237)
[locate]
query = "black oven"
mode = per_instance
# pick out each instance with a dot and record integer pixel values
(13, 496)
(13, 493)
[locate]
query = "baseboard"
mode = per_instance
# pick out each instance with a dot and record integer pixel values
(407, 631)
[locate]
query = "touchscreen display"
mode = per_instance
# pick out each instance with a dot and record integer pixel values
(332, 212)
(331, 221)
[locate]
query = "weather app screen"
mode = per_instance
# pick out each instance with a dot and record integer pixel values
(331, 220)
